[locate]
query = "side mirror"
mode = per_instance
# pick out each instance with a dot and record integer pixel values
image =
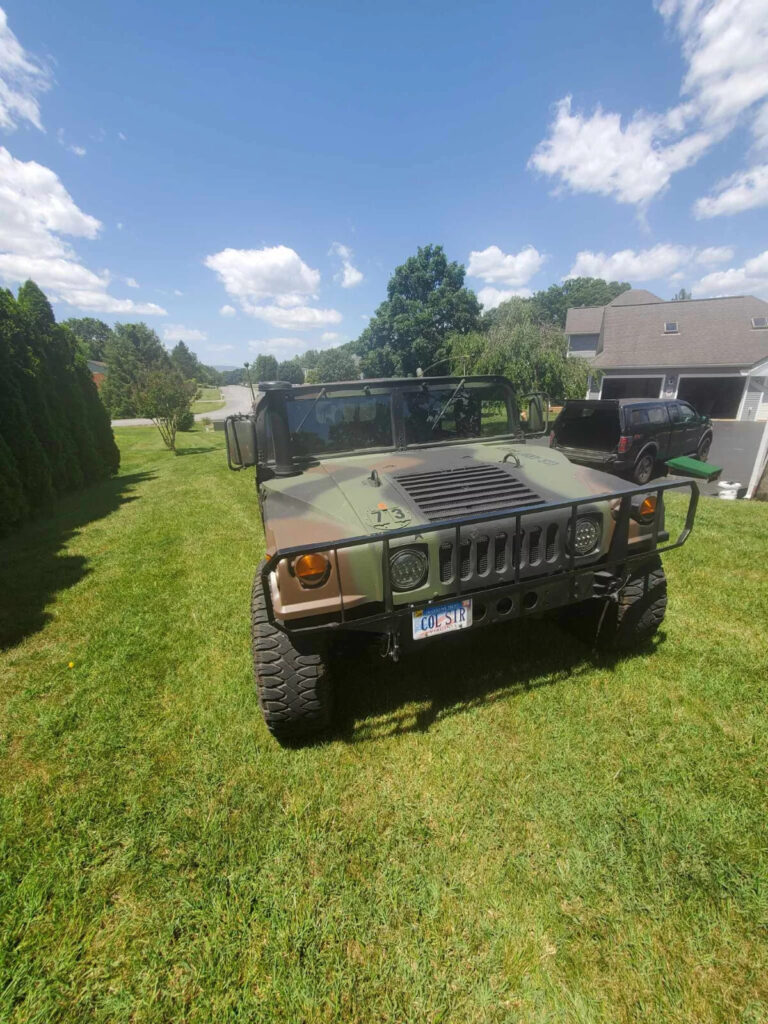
(240, 434)
(535, 416)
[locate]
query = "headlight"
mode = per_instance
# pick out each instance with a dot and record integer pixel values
(408, 568)
(586, 536)
(311, 570)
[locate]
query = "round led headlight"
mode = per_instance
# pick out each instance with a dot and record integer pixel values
(586, 536)
(408, 568)
(311, 570)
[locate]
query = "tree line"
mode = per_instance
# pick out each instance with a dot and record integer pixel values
(55, 434)
(431, 323)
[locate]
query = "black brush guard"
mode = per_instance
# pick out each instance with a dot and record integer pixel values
(617, 558)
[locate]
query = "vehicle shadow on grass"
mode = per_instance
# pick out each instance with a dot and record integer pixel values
(375, 698)
(33, 568)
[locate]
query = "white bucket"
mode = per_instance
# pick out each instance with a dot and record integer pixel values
(729, 489)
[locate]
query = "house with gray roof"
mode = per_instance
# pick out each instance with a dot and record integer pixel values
(712, 353)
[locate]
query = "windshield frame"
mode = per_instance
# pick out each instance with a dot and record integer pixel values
(396, 388)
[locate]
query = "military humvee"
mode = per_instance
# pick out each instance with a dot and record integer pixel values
(414, 508)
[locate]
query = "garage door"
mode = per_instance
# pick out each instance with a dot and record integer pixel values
(718, 397)
(631, 387)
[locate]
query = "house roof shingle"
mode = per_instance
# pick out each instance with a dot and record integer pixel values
(712, 332)
(584, 320)
(635, 297)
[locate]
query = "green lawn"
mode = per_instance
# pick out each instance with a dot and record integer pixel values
(209, 401)
(508, 829)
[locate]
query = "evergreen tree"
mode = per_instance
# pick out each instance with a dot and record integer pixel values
(92, 335)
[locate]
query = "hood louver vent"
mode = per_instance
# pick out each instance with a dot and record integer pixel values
(465, 491)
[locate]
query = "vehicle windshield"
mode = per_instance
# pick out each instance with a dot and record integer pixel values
(451, 412)
(322, 424)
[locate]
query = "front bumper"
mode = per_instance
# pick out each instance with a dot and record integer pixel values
(522, 591)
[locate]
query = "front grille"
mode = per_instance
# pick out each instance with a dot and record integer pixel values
(484, 558)
(466, 491)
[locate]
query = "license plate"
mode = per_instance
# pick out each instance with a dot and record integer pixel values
(436, 619)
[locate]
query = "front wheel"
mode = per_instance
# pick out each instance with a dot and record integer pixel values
(626, 622)
(292, 678)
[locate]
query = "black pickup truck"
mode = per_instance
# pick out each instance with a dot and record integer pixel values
(630, 436)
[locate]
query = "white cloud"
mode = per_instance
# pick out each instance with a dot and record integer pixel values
(283, 348)
(297, 318)
(120, 225)
(35, 212)
(349, 275)
(256, 274)
(122, 137)
(70, 147)
(219, 348)
(725, 45)
(330, 336)
(228, 311)
(714, 254)
(513, 269)
(178, 332)
(743, 191)
(752, 278)
(22, 79)
(132, 282)
(645, 265)
(177, 292)
(491, 297)
(275, 273)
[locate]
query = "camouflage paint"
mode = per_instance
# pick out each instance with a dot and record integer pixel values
(337, 498)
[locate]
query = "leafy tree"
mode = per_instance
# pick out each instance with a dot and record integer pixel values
(426, 301)
(93, 335)
(291, 371)
(133, 350)
(682, 296)
(164, 396)
(264, 367)
(551, 306)
(234, 376)
(531, 354)
(333, 364)
(187, 363)
(308, 360)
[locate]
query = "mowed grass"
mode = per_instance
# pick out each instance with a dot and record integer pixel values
(209, 401)
(505, 828)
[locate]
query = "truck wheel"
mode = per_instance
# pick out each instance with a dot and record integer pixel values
(628, 622)
(703, 452)
(292, 679)
(639, 611)
(644, 467)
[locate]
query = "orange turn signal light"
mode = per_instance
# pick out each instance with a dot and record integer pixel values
(311, 570)
(647, 509)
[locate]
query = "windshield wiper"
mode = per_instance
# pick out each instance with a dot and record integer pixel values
(450, 402)
(321, 394)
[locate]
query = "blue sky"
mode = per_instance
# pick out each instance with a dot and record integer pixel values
(277, 160)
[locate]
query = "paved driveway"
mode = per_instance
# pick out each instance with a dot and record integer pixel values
(237, 399)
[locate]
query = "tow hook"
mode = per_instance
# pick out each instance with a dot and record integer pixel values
(392, 647)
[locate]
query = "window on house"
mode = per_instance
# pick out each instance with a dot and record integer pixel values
(670, 327)
(760, 322)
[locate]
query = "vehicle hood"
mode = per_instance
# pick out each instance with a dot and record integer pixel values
(364, 494)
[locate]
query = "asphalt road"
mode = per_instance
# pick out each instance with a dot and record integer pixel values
(237, 399)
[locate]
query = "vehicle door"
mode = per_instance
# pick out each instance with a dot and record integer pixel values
(677, 430)
(638, 427)
(691, 428)
(658, 417)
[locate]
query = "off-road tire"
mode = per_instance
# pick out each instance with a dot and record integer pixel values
(630, 621)
(702, 452)
(292, 678)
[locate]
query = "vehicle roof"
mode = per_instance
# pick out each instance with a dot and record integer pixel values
(619, 401)
(266, 386)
